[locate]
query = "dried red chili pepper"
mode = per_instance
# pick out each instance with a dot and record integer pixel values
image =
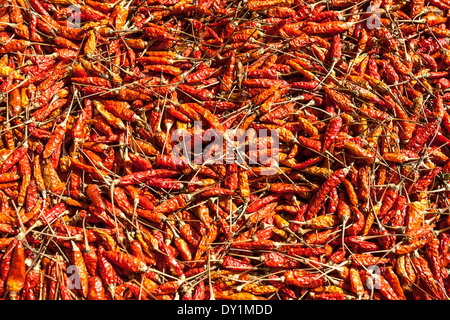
(17, 273)
(87, 148)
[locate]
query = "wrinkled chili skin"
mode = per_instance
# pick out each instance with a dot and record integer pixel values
(266, 149)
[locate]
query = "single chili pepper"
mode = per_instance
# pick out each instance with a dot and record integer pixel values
(42, 113)
(422, 134)
(32, 283)
(254, 206)
(93, 193)
(52, 214)
(51, 178)
(55, 139)
(356, 282)
(309, 252)
(106, 271)
(425, 181)
(78, 259)
(90, 256)
(231, 263)
(414, 216)
(141, 176)
(6, 259)
(322, 221)
(434, 259)
(359, 152)
(288, 188)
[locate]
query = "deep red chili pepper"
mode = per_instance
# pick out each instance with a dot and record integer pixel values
(333, 181)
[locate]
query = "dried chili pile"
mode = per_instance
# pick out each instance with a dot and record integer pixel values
(98, 202)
